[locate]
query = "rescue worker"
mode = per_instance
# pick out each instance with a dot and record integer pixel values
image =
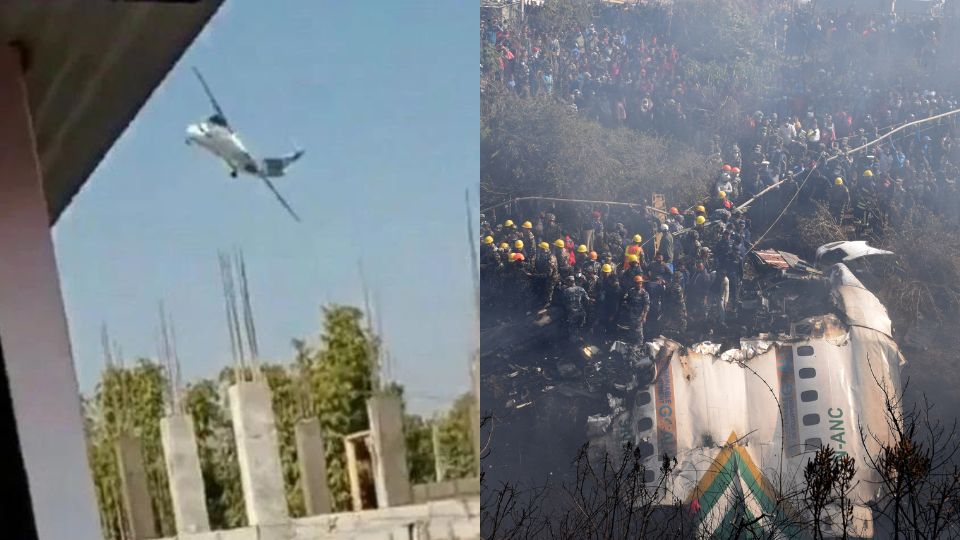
(550, 227)
(665, 248)
(655, 290)
(673, 321)
(690, 243)
(487, 249)
(594, 231)
(719, 293)
(503, 253)
(518, 247)
(697, 291)
(633, 268)
(608, 299)
(575, 302)
(590, 282)
(675, 219)
(583, 257)
(594, 263)
(659, 268)
(732, 266)
(838, 198)
(634, 249)
(636, 305)
(562, 257)
(526, 234)
(509, 231)
(546, 275)
(516, 283)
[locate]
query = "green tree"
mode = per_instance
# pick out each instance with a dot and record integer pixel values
(217, 451)
(129, 401)
(338, 375)
(287, 410)
(456, 439)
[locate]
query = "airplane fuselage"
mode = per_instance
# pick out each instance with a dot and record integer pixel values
(224, 144)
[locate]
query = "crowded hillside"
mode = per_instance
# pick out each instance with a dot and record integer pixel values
(614, 104)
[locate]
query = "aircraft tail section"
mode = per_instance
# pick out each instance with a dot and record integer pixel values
(273, 167)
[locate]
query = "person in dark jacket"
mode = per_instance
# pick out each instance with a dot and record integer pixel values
(608, 299)
(636, 306)
(575, 302)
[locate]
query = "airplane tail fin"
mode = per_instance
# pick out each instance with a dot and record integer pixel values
(277, 166)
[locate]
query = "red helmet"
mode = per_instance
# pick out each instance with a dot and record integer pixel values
(593, 255)
(674, 211)
(517, 257)
(735, 170)
(727, 168)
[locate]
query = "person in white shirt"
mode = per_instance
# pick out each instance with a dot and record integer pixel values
(787, 131)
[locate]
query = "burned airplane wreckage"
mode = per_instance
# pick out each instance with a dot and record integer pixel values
(814, 363)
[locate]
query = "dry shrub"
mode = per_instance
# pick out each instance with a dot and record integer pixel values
(925, 284)
(539, 147)
(817, 229)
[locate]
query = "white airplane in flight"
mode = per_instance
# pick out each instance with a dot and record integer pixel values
(215, 135)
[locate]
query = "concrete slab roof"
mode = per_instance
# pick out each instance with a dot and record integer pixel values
(89, 67)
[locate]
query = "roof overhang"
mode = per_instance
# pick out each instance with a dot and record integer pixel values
(89, 67)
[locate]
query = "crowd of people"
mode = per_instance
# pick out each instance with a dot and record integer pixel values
(626, 269)
(835, 93)
(685, 277)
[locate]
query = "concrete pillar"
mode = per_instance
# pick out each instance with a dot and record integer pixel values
(134, 488)
(389, 451)
(183, 472)
(313, 467)
(33, 332)
(258, 454)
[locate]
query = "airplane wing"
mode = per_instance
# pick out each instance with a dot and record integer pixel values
(279, 197)
(213, 100)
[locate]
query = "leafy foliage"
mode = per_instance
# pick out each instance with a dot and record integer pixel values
(331, 382)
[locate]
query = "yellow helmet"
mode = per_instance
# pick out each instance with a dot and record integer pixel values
(559, 243)
(488, 240)
(581, 248)
(606, 268)
(701, 209)
(504, 246)
(518, 244)
(701, 220)
(723, 194)
(527, 225)
(508, 223)
(544, 246)
(868, 173)
(637, 238)
(632, 258)
(838, 181)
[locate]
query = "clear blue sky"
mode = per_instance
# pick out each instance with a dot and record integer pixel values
(384, 98)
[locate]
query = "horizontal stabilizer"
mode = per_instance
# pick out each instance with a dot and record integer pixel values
(278, 166)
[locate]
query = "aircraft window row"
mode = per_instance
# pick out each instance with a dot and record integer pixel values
(643, 398)
(811, 419)
(807, 373)
(646, 449)
(645, 423)
(813, 443)
(805, 350)
(649, 476)
(808, 395)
